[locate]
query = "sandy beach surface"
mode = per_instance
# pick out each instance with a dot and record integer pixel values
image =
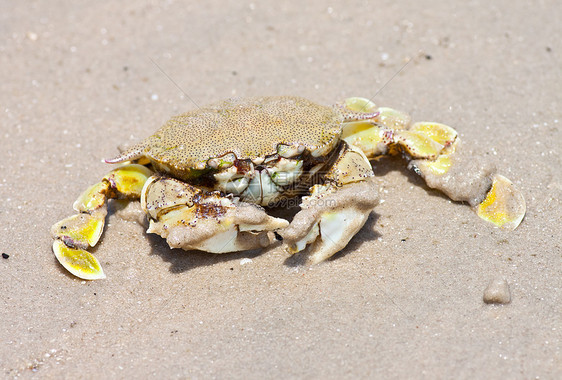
(403, 300)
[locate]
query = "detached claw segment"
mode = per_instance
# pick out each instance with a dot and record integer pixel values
(504, 204)
(463, 180)
(73, 235)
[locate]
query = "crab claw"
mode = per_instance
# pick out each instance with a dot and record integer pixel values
(504, 204)
(190, 218)
(79, 262)
(467, 179)
(75, 234)
(82, 230)
(434, 152)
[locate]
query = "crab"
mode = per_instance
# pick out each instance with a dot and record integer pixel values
(208, 178)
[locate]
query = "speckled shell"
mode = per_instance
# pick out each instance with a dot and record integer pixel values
(247, 127)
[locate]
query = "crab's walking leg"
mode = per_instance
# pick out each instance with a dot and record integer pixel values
(336, 210)
(191, 218)
(434, 152)
(76, 233)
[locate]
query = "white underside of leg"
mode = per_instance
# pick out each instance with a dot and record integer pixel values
(221, 242)
(309, 238)
(336, 230)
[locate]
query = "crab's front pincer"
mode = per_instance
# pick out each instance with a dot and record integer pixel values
(75, 234)
(434, 152)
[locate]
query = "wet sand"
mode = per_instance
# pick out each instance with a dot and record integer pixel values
(403, 300)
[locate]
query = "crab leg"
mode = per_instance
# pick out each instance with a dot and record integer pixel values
(73, 235)
(191, 218)
(336, 210)
(434, 152)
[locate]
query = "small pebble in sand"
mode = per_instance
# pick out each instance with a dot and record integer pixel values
(5, 255)
(32, 36)
(497, 292)
(245, 261)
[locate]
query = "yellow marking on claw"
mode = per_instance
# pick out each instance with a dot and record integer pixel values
(129, 179)
(351, 167)
(443, 135)
(358, 128)
(440, 133)
(439, 166)
(360, 134)
(418, 145)
(176, 216)
(82, 229)
(357, 104)
(94, 197)
(79, 262)
(504, 205)
(392, 118)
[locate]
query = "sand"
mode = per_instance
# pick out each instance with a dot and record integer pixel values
(403, 300)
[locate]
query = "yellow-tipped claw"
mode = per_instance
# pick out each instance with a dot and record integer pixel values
(439, 166)
(444, 137)
(129, 179)
(77, 261)
(439, 133)
(80, 230)
(94, 197)
(504, 204)
(418, 145)
(73, 235)
(362, 135)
